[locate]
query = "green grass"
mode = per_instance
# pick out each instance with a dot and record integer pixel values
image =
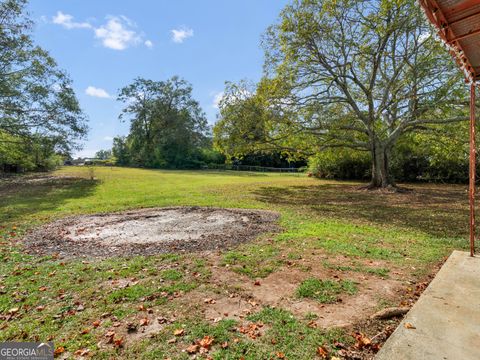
(379, 271)
(325, 291)
(411, 232)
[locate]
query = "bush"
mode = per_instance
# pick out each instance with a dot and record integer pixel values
(340, 164)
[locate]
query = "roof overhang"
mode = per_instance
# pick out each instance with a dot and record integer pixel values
(458, 25)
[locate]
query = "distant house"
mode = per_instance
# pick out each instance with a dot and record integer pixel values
(82, 161)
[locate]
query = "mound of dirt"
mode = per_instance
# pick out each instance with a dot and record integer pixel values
(149, 231)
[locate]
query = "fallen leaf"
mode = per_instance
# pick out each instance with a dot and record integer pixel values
(144, 322)
(42, 288)
(225, 345)
(206, 342)
(280, 355)
(312, 324)
(192, 349)
(362, 341)
(322, 352)
(110, 335)
(172, 341)
(209, 301)
(179, 332)
(409, 326)
(81, 352)
(118, 342)
(257, 283)
(59, 350)
(13, 311)
(96, 323)
(85, 331)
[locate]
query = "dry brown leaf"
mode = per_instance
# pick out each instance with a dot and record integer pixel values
(144, 322)
(59, 350)
(280, 355)
(109, 335)
(81, 352)
(322, 352)
(172, 341)
(206, 342)
(179, 332)
(192, 349)
(96, 323)
(118, 342)
(409, 326)
(362, 341)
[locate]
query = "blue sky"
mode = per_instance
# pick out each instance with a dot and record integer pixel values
(105, 44)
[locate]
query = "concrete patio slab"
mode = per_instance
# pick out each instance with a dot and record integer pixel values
(446, 317)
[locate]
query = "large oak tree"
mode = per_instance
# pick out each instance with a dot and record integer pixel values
(347, 73)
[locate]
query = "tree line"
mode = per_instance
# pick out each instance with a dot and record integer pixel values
(359, 89)
(40, 118)
(352, 84)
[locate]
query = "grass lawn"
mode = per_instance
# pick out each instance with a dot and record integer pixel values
(343, 253)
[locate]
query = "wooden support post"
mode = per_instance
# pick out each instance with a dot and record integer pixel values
(472, 169)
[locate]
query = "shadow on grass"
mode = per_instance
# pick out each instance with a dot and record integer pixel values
(439, 210)
(32, 195)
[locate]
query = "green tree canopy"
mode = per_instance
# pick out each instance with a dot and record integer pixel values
(167, 126)
(348, 74)
(36, 98)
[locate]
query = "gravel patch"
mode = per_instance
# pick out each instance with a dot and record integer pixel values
(149, 231)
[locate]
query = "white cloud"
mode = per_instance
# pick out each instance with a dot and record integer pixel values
(117, 33)
(108, 138)
(67, 22)
(179, 35)
(97, 92)
(148, 43)
(217, 98)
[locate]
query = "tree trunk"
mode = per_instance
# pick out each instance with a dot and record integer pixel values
(380, 171)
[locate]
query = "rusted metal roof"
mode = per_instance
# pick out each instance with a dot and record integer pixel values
(458, 24)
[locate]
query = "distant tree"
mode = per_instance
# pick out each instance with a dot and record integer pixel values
(349, 74)
(36, 98)
(121, 151)
(167, 126)
(103, 154)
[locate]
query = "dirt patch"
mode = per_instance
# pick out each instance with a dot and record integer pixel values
(278, 290)
(150, 231)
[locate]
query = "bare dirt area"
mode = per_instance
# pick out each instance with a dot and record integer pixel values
(278, 290)
(18, 182)
(150, 231)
